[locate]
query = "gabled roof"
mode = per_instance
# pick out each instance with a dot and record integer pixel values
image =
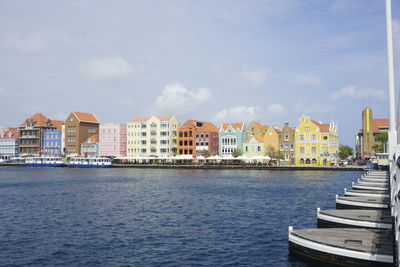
(237, 126)
(258, 138)
(14, 134)
(86, 117)
(277, 130)
(58, 124)
(39, 119)
(94, 139)
(323, 127)
(205, 127)
(380, 123)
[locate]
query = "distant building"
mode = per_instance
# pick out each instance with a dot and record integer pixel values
(91, 148)
(9, 143)
(31, 134)
(113, 140)
(154, 136)
(231, 138)
(286, 145)
(253, 146)
(271, 141)
(53, 140)
(79, 126)
(3, 129)
(365, 138)
(256, 128)
(316, 143)
(195, 136)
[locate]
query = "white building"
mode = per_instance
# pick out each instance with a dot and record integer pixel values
(154, 136)
(9, 143)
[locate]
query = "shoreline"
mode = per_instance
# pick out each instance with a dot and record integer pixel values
(221, 167)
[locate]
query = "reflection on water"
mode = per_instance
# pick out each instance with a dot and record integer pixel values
(150, 217)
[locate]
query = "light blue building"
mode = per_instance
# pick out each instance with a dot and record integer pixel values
(231, 137)
(52, 142)
(91, 147)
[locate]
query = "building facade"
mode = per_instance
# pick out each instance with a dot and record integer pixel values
(271, 142)
(195, 137)
(231, 138)
(287, 145)
(90, 147)
(365, 138)
(9, 143)
(152, 137)
(256, 128)
(31, 134)
(316, 143)
(113, 140)
(79, 126)
(52, 142)
(254, 146)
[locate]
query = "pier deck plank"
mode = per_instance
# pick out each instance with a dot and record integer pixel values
(363, 240)
(376, 216)
(371, 192)
(380, 200)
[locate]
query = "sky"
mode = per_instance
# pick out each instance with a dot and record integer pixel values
(220, 61)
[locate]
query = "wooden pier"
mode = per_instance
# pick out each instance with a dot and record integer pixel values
(358, 232)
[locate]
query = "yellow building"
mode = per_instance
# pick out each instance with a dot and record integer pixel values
(154, 136)
(256, 128)
(316, 143)
(271, 141)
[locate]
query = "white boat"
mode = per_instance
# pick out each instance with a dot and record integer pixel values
(81, 162)
(44, 161)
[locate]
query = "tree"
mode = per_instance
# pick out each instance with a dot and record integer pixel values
(205, 153)
(381, 139)
(345, 151)
(237, 152)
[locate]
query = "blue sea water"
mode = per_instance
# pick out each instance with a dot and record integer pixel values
(158, 217)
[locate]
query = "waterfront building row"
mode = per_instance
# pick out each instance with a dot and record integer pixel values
(311, 143)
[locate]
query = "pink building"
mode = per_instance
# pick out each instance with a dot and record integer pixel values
(112, 140)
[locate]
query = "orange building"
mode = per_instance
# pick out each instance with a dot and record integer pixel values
(271, 140)
(196, 136)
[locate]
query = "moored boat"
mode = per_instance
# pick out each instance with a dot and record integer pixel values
(44, 161)
(95, 162)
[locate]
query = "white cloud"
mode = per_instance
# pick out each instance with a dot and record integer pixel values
(250, 113)
(176, 99)
(306, 106)
(30, 44)
(252, 78)
(105, 69)
(358, 93)
(309, 79)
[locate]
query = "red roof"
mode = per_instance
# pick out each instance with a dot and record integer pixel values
(237, 126)
(380, 123)
(14, 134)
(205, 127)
(86, 117)
(58, 124)
(258, 138)
(39, 119)
(323, 127)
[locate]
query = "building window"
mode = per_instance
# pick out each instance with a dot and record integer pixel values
(307, 129)
(281, 147)
(302, 150)
(313, 150)
(286, 137)
(301, 137)
(313, 137)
